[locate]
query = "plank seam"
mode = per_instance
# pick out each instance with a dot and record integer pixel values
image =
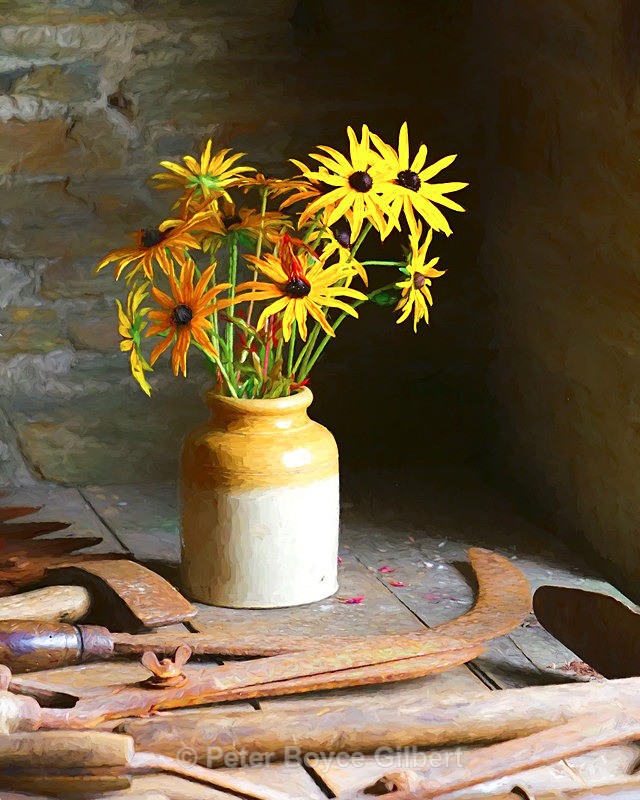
(104, 521)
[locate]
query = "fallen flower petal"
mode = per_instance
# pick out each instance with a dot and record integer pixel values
(352, 600)
(397, 583)
(386, 569)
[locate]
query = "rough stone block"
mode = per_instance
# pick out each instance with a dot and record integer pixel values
(19, 281)
(39, 147)
(115, 434)
(30, 330)
(13, 469)
(98, 332)
(65, 40)
(58, 147)
(71, 83)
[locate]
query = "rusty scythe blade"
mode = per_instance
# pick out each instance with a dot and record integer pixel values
(503, 602)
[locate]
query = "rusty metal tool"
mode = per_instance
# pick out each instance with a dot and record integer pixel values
(128, 595)
(507, 758)
(600, 629)
(24, 558)
(502, 603)
(459, 719)
(360, 663)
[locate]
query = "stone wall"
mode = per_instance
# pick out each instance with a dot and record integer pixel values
(555, 86)
(93, 93)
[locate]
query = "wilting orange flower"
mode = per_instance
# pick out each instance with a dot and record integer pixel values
(273, 186)
(184, 315)
(158, 246)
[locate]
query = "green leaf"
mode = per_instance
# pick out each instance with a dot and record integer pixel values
(386, 298)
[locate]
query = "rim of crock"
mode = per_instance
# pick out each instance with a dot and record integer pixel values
(300, 399)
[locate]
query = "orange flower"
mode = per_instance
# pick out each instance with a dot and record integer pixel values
(184, 316)
(156, 246)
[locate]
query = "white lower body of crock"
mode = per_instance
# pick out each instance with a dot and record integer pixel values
(261, 548)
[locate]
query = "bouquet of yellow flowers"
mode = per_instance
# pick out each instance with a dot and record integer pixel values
(263, 336)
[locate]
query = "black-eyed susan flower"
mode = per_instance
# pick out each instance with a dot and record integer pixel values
(357, 186)
(157, 246)
(416, 295)
(299, 289)
(131, 324)
(184, 315)
(335, 241)
(407, 182)
(203, 180)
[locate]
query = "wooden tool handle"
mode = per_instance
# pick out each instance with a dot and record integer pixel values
(51, 604)
(16, 713)
(61, 750)
(28, 645)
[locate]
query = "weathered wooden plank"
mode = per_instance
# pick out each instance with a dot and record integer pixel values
(144, 517)
(291, 778)
(64, 504)
(170, 786)
(378, 613)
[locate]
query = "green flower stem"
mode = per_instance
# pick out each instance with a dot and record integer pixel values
(279, 346)
(302, 362)
(311, 359)
(218, 363)
(383, 263)
(233, 269)
(292, 347)
(263, 210)
(305, 353)
(360, 239)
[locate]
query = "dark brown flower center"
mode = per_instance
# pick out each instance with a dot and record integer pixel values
(229, 221)
(342, 233)
(360, 181)
(150, 237)
(297, 287)
(419, 280)
(409, 179)
(181, 315)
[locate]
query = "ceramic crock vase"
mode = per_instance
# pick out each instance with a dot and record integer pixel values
(259, 505)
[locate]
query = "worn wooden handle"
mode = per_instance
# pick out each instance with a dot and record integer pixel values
(51, 604)
(61, 750)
